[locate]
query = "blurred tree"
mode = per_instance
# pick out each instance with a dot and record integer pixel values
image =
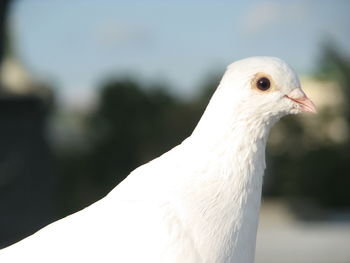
(335, 65)
(132, 125)
(4, 8)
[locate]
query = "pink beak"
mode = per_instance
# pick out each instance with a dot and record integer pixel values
(305, 103)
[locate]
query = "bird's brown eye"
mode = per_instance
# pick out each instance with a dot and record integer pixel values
(263, 84)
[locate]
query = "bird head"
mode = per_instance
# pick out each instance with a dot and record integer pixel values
(255, 91)
(267, 85)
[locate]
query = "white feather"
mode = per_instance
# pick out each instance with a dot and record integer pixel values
(199, 202)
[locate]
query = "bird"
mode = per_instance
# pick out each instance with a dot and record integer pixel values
(198, 202)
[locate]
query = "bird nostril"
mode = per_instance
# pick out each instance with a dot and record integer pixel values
(305, 104)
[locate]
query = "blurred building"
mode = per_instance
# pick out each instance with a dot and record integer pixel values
(26, 167)
(330, 126)
(329, 98)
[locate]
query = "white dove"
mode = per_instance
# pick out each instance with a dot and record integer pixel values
(200, 201)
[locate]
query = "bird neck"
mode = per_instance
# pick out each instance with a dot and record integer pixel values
(243, 134)
(235, 159)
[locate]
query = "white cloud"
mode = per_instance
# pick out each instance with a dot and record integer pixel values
(265, 15)
(111, 33)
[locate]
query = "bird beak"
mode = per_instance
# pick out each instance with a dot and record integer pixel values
(306, 105)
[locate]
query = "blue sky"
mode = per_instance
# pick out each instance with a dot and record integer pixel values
(79, 43)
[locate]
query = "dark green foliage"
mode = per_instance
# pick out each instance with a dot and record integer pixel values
(134, 124)
(131, 126)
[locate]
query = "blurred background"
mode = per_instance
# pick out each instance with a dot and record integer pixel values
(89, 90)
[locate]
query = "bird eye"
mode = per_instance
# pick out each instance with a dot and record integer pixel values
(263, 84)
